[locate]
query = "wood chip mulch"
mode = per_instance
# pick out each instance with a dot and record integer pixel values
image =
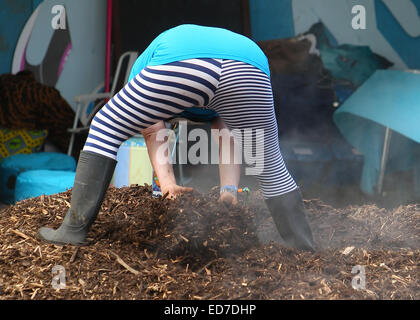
(194, 248)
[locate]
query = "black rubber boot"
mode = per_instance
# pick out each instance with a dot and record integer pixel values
(93, 175)
(289, 215)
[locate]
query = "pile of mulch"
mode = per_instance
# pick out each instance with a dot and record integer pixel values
(194, 248)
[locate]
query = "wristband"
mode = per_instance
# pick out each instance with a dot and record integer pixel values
(231, 189)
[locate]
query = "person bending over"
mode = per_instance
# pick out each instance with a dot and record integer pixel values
(190, 66)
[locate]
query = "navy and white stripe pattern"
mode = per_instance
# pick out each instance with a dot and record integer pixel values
(240, 93)
(244, 100)
(156, 93)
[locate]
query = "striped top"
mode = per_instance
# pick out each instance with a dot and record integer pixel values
(192, 41)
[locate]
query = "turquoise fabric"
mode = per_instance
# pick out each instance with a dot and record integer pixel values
(354, 64)
(190, 41)
(11, 167)
(389, 98)
(34, 183)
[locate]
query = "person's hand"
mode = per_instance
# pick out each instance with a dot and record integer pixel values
(175, 190)
(228, 198)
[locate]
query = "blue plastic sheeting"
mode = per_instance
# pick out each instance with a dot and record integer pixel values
(349, 63)
(34, 183)
(389, 98)
(12, 166)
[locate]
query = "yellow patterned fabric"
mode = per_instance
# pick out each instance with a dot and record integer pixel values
(14, 141)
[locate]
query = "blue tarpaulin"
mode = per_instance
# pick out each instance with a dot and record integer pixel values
(389, 98)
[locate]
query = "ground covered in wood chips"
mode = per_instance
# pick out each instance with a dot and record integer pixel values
(195, 248)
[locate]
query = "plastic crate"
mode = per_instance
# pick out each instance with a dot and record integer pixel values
(133, 163)
(347, 165)
(307, 162)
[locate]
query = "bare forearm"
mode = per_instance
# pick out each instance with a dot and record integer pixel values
(229, 172)
(162, 167)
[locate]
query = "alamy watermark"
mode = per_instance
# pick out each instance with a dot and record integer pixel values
(59, 20)
(359, 280)
(58, 280)
(359, 20)
(239, 146)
